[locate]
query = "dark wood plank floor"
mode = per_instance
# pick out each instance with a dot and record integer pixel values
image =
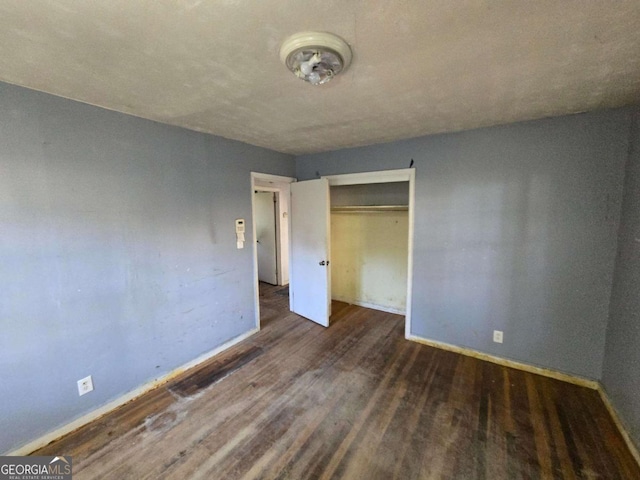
(355, 401)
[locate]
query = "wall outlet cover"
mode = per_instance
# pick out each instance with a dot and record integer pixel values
(85, 385)
(497, 336)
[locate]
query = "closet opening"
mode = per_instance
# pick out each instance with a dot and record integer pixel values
(370, 245)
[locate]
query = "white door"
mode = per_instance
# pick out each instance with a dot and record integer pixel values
(310, 290)
(266, 237)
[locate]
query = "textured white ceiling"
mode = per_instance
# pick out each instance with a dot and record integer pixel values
(419, 66)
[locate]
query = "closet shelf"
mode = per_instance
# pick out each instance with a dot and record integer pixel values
(370, 208)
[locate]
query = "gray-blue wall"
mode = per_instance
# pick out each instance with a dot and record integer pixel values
(117, 254)
(621, 375)
(515, 230)
(118, 258)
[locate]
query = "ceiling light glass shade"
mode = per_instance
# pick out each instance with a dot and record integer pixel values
(315, 57)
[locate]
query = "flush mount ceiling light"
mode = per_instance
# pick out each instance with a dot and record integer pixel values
(315, 57)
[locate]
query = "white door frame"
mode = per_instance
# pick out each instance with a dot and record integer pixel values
(388, 176)
(274, 183)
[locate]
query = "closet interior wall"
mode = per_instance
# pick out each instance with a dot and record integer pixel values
(369, 245)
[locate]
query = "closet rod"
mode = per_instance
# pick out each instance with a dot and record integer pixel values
(370, 208)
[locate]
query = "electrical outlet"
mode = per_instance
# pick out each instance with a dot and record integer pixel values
(85, 385)
(497, 336)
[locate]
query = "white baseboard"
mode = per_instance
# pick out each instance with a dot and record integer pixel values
(619, 423)
(127, 397)
(583, 382)
(373, 306)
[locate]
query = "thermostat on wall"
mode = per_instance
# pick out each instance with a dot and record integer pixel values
(240, 233)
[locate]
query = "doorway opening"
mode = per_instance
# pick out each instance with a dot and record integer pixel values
(265, 214)
(270, 227)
